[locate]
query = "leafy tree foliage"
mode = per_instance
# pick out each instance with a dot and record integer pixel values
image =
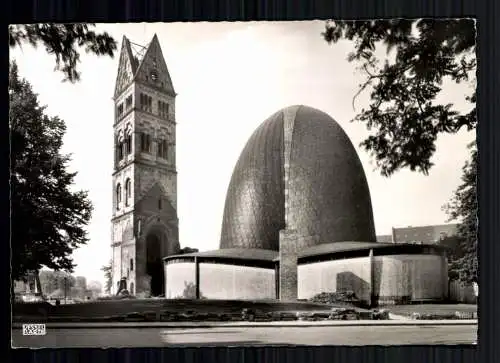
(108, 278)
(463, 208)
(95, 287)
(187, 250)
(404, 112)
(48, 219)
(53, 281)
(189, 291)
(64, 41)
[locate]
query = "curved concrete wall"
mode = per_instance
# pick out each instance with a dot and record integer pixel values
(413, 277)
(352, 274)
(221, 281)
(395, 277)
(180, 280)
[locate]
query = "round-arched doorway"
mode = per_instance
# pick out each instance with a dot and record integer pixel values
(154, 266)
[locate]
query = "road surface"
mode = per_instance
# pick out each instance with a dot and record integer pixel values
(224, 336)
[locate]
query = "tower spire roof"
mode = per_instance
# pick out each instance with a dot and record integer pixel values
(153, 69)
(144, 64)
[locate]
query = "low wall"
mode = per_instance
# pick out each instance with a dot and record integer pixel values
(224, 281)
(351, 274)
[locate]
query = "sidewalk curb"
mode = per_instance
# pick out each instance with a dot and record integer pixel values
(292, 324)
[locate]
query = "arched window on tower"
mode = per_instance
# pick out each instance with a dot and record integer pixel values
(118, 196)
(128, 192)
(119, 148)
(162, 149)
(145, 142)
(128, 143)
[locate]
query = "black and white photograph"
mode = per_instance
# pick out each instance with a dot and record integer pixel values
(243, 183)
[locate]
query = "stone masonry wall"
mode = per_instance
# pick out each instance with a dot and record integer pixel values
(123, 248)
(289, 245)
(147, 176)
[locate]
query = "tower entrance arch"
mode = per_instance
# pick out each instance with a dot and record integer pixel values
(154, 264)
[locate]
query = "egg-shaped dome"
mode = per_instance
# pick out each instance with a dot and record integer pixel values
(298, 171)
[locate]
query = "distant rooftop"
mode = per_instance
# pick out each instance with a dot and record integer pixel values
(423, 234)
(419, 234)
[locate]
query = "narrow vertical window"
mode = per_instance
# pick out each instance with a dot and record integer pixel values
(162, 148)
(165, 149)
(128, 102)
(143, 141)
(118, 196)
(128, 142)
(120, 148)
(120, 110)
(128, 192)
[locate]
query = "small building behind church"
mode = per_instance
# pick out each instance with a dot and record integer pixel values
(430, 234)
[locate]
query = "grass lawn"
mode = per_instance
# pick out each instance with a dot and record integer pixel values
(438, 309)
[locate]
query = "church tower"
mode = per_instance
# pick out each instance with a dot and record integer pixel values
(144, 218)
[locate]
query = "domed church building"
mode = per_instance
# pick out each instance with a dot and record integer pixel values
(298, 221)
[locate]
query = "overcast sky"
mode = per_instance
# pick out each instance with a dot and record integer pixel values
(229, 78)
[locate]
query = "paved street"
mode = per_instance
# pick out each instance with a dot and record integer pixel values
(320, 335)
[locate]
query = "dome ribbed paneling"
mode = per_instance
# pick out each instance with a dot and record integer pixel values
(254, 209)
(328, 195)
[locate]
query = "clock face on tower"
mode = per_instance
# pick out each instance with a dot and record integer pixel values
(154, 75)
